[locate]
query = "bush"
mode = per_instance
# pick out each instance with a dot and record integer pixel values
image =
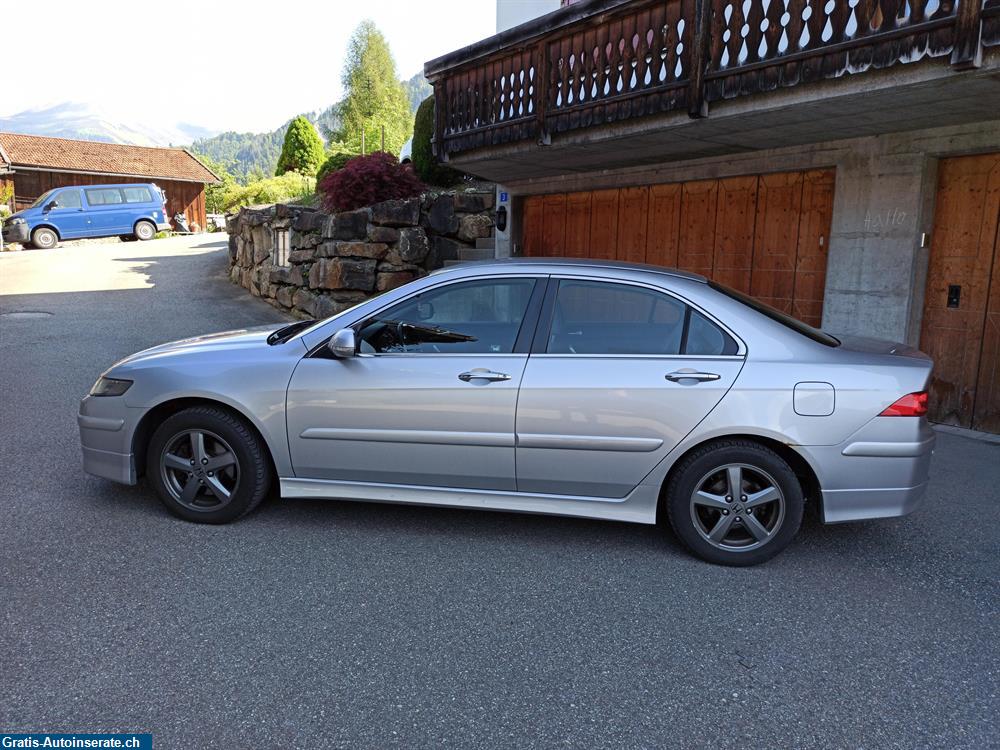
(425, 164)
(302, 150)
(289, 187)
(333, 163)
(366, 180)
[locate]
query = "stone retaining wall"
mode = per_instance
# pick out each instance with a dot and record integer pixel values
(338, 260)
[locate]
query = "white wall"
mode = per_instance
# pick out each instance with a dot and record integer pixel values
(513, 12)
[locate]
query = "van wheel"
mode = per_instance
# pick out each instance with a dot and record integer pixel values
(734, 502)
(44, 238)
(144, 230)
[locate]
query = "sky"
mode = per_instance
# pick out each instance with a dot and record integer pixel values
(220, 64)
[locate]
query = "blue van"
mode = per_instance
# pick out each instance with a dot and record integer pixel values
(136, 211)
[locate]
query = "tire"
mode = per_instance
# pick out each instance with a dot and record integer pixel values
(726, 529)
(44, 238)
(145, 230)
(242, 468)
(127, 237)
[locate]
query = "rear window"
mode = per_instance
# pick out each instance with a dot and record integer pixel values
(103, 196)
(788, 321)
(137, 195)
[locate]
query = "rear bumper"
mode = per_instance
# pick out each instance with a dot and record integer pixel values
(857, 505)
(163, 226)
(879, 472)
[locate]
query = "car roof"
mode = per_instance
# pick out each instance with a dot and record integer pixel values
(576, 263)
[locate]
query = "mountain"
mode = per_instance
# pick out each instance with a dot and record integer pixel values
(249, 155)
(86, 122)
(417, 89)
(246, 155)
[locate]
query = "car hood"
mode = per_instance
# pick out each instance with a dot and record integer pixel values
(242, 338)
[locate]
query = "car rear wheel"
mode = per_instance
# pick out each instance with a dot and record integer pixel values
(735, 502)
(208, 465)
(44, 238)
(144, 230)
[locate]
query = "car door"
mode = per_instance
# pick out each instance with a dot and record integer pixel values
(619, 373)
(64, 210)
(430, 398)
(107, 210)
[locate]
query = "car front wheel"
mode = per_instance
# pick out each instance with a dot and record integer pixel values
(208, 465)
(735, 502)
(44, 238)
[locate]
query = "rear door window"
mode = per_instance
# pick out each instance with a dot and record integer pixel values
(137, 195)
(604, 318)
(104, 196)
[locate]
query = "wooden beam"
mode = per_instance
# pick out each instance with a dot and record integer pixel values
(968, 50)
(702, 37)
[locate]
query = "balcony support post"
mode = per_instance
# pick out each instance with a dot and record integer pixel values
(439, 115)
(968, 49)
(541, 55)
(701, 39)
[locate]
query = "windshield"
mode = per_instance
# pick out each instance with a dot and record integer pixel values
(820, 337)
(42, 198)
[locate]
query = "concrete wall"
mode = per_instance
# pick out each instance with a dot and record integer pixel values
(883, 205)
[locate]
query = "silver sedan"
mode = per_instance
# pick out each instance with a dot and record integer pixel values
(605, 390)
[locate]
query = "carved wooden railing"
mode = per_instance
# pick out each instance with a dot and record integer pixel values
(608, 61)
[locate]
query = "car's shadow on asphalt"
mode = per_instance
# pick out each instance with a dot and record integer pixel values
(295, 518)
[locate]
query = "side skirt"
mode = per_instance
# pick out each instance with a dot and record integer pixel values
(639, 506)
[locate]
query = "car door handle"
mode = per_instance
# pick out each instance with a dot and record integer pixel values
(700, 376)
(483, 374)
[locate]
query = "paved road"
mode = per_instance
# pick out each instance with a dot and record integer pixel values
(351, 625)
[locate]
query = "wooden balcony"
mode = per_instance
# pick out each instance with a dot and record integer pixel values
(613, 61)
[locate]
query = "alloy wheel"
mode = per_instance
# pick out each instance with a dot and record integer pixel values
(737, 507)
(199, 470)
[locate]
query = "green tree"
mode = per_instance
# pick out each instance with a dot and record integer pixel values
(215, 193)
(302, 150)
(375, 96)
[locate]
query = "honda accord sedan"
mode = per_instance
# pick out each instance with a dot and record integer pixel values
(575, 388)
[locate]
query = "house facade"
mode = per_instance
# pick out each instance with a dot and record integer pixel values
(838, 159)
(35, 164)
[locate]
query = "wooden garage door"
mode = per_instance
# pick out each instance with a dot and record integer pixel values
(961, 323)
(765, 235)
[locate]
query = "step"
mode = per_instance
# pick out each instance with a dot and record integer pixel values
(486, 243)
(468, 253)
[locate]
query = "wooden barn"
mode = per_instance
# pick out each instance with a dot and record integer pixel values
(34, 164)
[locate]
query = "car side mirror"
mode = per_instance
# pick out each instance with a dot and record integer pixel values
(343, 344)
(49, 206)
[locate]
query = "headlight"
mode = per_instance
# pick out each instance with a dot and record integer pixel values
(17, 220)
(110, 387)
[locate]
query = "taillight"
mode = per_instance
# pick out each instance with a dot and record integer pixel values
(910, 405)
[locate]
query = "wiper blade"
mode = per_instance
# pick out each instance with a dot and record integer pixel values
(284, 334)
(431, 334)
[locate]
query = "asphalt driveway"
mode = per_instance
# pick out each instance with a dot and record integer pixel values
(333, 624)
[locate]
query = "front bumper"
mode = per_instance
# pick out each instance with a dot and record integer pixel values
(16, 233)
(106, 428)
